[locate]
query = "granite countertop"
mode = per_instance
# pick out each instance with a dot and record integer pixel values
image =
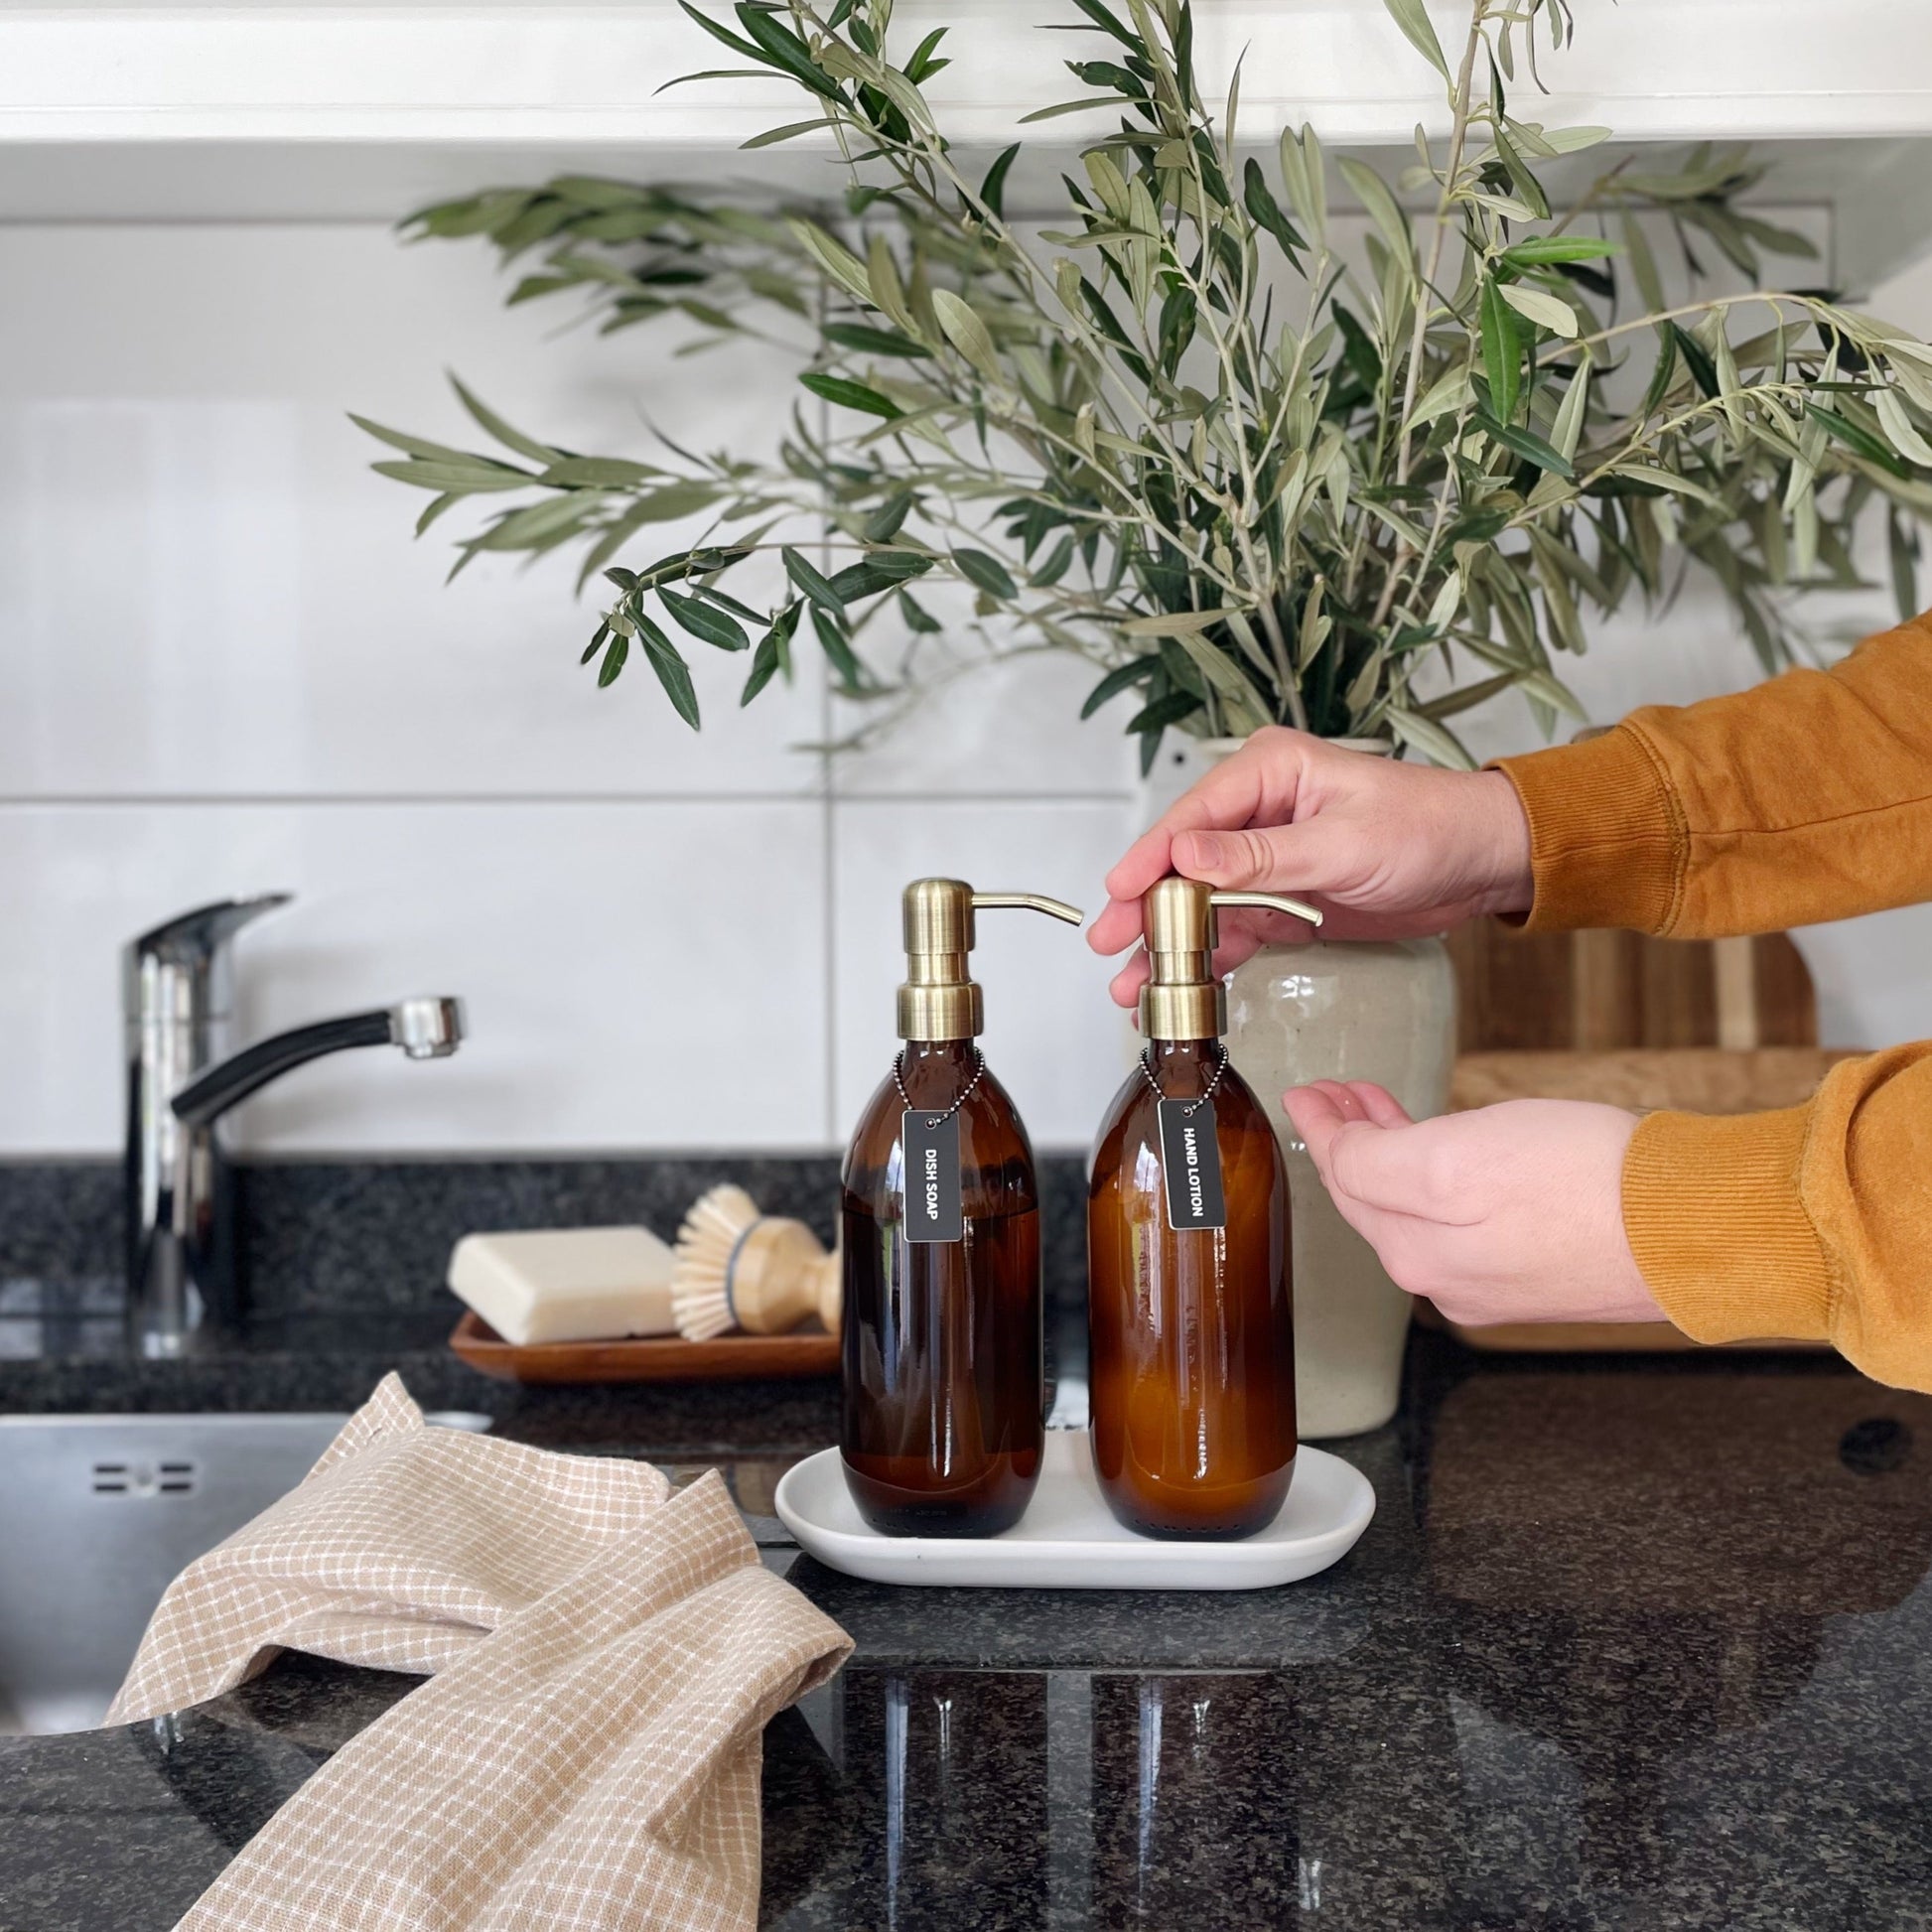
(1633, 1643)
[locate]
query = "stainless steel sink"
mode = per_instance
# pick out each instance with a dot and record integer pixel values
(98, 1516)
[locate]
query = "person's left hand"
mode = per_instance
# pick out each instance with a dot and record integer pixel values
(1506, 1213)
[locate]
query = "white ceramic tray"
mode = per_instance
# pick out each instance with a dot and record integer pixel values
(1069, 1539)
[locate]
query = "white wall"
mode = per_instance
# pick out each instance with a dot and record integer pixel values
(224, 668)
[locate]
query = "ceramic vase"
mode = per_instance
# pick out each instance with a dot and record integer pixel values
(1336, 1010)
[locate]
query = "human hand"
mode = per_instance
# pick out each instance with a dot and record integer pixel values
(1389, 851)
(1506, 1213)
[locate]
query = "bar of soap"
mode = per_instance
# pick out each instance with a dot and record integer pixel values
(566, 1284)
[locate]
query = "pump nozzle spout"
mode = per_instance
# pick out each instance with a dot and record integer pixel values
(1054, 909)
(1182, 998)
(940, 999)
(1295, 908)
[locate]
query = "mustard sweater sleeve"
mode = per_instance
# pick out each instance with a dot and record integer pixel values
(1802, 799)
(1812, 1223)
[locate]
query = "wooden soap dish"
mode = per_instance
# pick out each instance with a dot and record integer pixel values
(646, 1358)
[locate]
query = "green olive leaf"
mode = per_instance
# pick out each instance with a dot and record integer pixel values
(967, 334)
(1413, 21)
(1246, 475)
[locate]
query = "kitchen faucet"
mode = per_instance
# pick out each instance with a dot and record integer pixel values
(176, 990)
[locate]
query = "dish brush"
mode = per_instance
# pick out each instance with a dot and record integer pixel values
(739, 1269)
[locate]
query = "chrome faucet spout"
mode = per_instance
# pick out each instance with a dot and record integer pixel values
(181, 1247)
(424, 1028)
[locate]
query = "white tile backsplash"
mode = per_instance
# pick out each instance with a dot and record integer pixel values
(224, 666)
(1693, 649)
(636, 975)
(206, 592)
(992, 720)
(1870, 974)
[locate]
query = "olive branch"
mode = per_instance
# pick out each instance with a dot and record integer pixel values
(1251, 474)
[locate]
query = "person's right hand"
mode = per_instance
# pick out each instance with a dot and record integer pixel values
(1504, 1213)
(1388, 851)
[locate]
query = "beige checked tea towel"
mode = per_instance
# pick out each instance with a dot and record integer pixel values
(587, 1757)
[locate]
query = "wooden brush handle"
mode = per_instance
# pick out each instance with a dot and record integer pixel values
(778, 1279)
(830, 1289)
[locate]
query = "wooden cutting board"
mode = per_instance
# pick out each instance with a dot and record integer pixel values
(1599, 992)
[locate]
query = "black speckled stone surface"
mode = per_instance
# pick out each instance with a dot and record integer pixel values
(345, 1275)
(60, 1221)
(323, 1236)
(1633, 1645)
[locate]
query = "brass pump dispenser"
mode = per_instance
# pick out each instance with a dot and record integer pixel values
(1181, 998)
(940, 999)
(1189, 1270)
(942, 1424)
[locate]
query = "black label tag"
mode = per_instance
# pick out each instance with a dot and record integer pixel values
(932, 1209)
(1190, 1153)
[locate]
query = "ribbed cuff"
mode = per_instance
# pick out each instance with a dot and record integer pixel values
(1712, 1208)
(1606, 840)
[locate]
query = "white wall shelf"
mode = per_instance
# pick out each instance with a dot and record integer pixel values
(280, 109)
(434, 73)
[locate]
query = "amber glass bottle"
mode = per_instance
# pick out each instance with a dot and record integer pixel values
(1190, 1327)
(943, 1417)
